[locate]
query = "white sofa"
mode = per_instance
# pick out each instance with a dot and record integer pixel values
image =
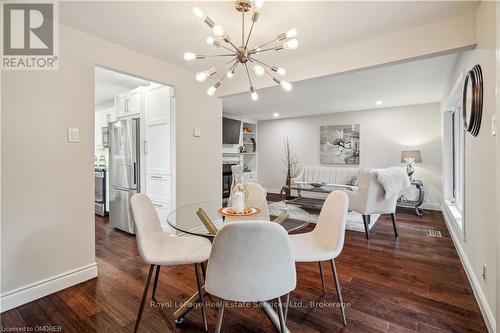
(329, 175)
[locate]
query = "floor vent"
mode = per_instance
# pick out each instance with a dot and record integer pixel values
(435, 233)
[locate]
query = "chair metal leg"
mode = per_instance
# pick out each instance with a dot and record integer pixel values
(220, 314)
(204, 270)
(200, 292)
(394, 225)
(322, 276)
(339, 291)
(287, 304)
(144, 295)
(281, 317)
(366, 221)
(157, 275)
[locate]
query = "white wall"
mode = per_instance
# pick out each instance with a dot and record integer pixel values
(498, 161)
(383, 134)
(48, 184)
(476, 248)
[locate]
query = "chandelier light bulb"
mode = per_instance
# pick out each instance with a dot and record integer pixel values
(218, 30)
(259, 70)
(292, 44)
(201, 76)
(210, 40)
(287, 86)
(198, 13)
(291, 33)
(259, 4)
(281, 71)
(189, 56)
(253, 94)
(230, 74)
(211, 91)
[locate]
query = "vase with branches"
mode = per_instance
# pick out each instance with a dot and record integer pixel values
(291, 163)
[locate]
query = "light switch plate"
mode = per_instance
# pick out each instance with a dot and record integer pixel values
(73, 135)
(494, 125)
(197, 132)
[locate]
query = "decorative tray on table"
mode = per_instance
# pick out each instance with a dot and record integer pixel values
(229, 211)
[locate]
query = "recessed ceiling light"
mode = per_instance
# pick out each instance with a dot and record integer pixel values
(276, 115)
(379, 102)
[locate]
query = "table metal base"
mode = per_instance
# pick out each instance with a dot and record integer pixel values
(188, 305)
(273, 315)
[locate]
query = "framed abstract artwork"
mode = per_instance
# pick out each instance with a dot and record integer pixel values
(339, 144)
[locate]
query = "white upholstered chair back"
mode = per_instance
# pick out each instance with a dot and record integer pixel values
(145, 218)
(370, 196)
(251, 262)
(332, 219)
(257, 197)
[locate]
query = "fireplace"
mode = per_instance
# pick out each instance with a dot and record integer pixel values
(227, 177)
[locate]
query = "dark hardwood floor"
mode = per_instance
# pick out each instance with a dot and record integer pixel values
(414, 283)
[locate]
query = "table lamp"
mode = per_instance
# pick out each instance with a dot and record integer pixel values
(410, 157)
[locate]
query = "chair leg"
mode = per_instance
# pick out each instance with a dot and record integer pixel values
(366, 221)
(287, 304)
(339, 292)
(200, 292)
(322, 276)
(281, 317)
(144, 295)
(157, 275)
(204, 270)
(220, 314)
(394, 225)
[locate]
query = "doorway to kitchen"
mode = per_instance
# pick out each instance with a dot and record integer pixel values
(134, 150)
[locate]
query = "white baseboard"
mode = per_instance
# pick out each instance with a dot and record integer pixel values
(46, 287)
(486, 311)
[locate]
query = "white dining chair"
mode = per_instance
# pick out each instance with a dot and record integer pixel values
(370, 199)
(326, 241)
(158, 248)
(251, 261)
(257, 198)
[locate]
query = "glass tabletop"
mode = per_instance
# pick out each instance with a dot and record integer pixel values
(321, 188)
(204, 219)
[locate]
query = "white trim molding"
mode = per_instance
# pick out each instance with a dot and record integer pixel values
(486, 311)
(46, 287)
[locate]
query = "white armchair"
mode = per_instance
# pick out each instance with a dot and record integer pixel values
(370, 199)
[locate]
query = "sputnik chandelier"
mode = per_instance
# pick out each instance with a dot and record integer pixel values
(243, 55)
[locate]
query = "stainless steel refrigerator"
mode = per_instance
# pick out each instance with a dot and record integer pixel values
(124, 161)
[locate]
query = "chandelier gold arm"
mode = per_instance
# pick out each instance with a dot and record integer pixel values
(248, 75)
(255, 16)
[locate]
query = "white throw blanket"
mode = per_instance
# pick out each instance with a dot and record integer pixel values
(393, 180)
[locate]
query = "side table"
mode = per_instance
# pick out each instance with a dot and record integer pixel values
(403, 202)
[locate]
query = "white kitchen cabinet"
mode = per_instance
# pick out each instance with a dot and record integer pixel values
(157, 148)
(159, 187)
(158, 130)
(129, 103)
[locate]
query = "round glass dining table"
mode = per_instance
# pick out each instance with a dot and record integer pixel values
(204, 219)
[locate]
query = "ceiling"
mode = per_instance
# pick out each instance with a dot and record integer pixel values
(109, 83)
(416, 82)
(167, 29)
